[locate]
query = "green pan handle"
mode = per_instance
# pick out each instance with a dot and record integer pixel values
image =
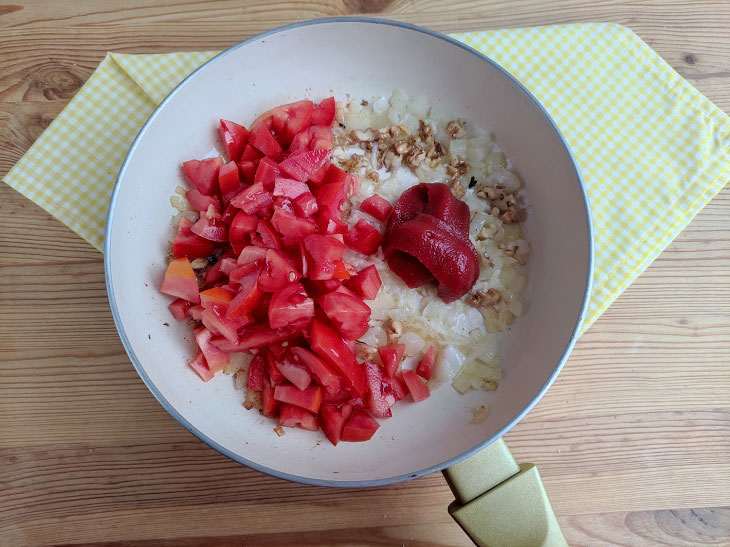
(500, 503)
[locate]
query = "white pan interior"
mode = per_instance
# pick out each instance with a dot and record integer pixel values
(363, 59)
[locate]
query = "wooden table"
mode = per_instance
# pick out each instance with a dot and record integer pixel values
(633, 440)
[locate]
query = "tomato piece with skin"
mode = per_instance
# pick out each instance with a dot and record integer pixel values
(416, 385)
(278, 272)
(277, 378)
(293, 229)
(305, 205)
(324, 112)
(348, 313)
(179, 309)
(251, 253)
(293, 416)
(341, 271)
(331, 226)
(322, 254)
(257, 373)
(229, 180)
(359, 427)
(180, 281)
(379, 400)
(241, 225)
(363, 237)
(186, 244)
(289, 188)
(301, 165)
(212, 229)
(260, 137)
(321, 138)
(257, 336)
(269, 238)
(290, 119)
(266, 173)
(295, 373)
(319, 370)
(328, 344)
(216, 295)
(396, 386)
(201, 202)
(240, 271)
(290, 305)
(269, 405)
(332, 419)
(378, 207)
(234, 137)
(249, 162)
(196, 312)
(391, 356)
(252, 199)
(248, 297)
(308, 399)
(216, 358)
(366, 283)
(199, 365)
(426, 364)
(203, 174)
(214, 318)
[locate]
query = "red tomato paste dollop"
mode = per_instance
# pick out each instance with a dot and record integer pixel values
(427, 240)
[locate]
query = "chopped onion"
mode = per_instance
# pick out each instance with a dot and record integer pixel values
(457, 147)
(449, 362)
(414, 344)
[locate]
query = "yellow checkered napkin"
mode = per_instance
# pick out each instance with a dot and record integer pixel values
(653, 150)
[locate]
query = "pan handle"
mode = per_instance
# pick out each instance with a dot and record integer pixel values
(500, 503)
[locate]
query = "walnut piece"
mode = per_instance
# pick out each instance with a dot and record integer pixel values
(458, 190)
(511, 215)
(394, 329)
(484, 299)
(279, 431)
(199, 263)
(455, 129)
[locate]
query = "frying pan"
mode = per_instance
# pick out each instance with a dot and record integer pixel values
(363, 58)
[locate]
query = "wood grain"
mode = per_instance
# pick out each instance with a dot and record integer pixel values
(633, 440)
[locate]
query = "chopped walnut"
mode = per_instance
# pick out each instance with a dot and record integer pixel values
(487, 232)
(365, 352)
(458, 190)
(403, 147)
(455, 129)
(394, 329)
(199, 263)
(372, 174)
(416, 156)
(253, 400)
(424, 130)
(511, 215)
(484, 299)
(366, 135)
(364, 103)
(279, 431)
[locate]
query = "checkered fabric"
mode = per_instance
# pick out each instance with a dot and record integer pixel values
(652, 149)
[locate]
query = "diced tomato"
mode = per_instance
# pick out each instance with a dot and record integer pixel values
(213, 229)
(203, 174)
(379, 401)
(293, 416)
(257, 336)
(290, 305)
(359, 427)
(305, 205)
(323, 287)
(260, 137)
(215, 319)
(269, 237)
(277, 378)
(248, 163)
(253, 198)
(377, 206)
(289, 188)
(257, 373)
(332, 418)
(248, 297)
(324, 112)
(341, 271)
(251, 253)
(320, 138)
(196, 312)
(290, 119)
(267, 173)
(366, 283)
(216, 358)
(241, 225)
(243, 270)
(180, 281)
(396, 386)
(216, 295)
(234, 137)
(229, 213)
(348, 313)
(187, 244)
(300, 142)
(292, 228)
(309, 399)
(201, 202)
(363, 237)
(416, 385)
(296, 374)
(179, 309)
(278, 272)
(327, 343)
(344, 290)
(301, 165)
(199, 365)
(331, 226)
(321, 372)
(269, 405)
(322, 254)
(391, 356)
(229, 181)
(426, 364)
